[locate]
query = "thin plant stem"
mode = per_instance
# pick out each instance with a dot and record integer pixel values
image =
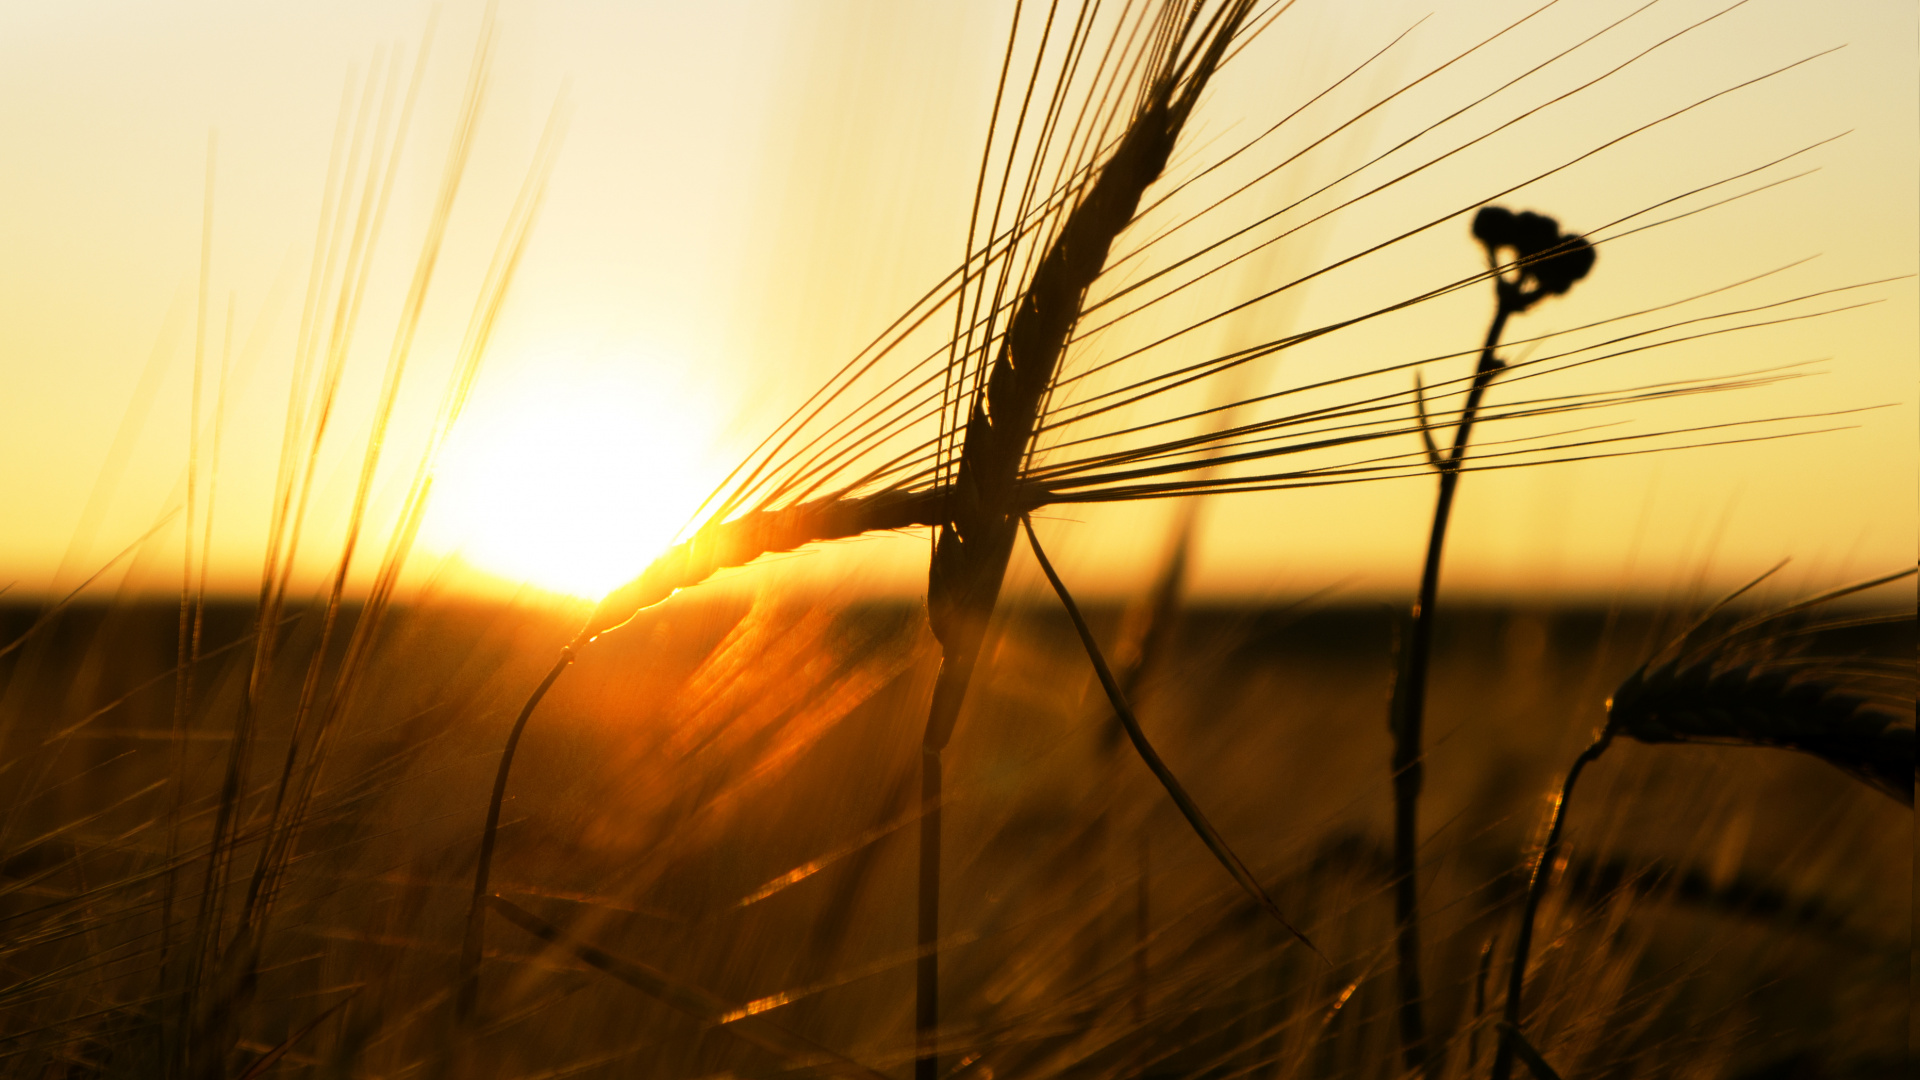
(943, 712)
(1409, 706)
(1479, 1003)
(926, 973)
(1537, 889)
(1142, 927)
(189, 624)
(469, 992)
(1009, 397)
(1549, 262)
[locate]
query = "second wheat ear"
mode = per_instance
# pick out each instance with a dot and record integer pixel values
(1739, 688)
(1757, 685)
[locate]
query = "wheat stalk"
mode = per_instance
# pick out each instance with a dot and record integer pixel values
(981, 511)
(739, 541)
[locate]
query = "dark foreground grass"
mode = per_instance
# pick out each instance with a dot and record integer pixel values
(722, 796)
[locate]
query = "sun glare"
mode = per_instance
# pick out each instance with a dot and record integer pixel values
(570, 479)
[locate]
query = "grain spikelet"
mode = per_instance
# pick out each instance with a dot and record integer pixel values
(980, 513)
(1757, 684)
(1744, 686)
(1817, 710)
(741, 540)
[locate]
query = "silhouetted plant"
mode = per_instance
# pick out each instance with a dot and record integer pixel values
(1546, 263)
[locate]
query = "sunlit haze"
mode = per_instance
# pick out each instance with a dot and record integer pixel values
(571, 476)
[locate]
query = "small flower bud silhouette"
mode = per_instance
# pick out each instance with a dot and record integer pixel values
(1557, 272)
(1493, 226)
(1549, 261)
(1534, 233)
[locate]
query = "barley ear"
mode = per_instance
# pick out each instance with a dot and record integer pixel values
(738, 541)
(1758, 705)
(1751, 686)
(982, 504)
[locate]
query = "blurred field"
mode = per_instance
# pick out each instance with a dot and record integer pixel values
(723, 791)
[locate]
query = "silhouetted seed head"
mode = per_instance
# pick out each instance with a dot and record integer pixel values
(1551, 261)
(1533, 233)
(1493, 226)
(1557, 273)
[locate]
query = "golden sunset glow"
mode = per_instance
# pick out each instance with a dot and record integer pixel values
(575, 538)
(570, 477)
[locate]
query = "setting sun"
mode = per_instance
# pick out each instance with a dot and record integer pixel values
(570, 478)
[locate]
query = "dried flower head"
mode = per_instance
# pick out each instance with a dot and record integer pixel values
(1549, 261)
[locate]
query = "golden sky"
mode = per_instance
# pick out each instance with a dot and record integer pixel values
(746, 193)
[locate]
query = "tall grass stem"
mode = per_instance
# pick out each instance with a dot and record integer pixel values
(1408, 711)
(467, 1002)
(1510, 1042)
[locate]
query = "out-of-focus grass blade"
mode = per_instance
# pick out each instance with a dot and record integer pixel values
(692, 1000)
(272, 1057)
(1191, 810)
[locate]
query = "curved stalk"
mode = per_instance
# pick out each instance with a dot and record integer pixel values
(1536, 891)
(1548, 263)
(470, 950)
(1407, 711)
